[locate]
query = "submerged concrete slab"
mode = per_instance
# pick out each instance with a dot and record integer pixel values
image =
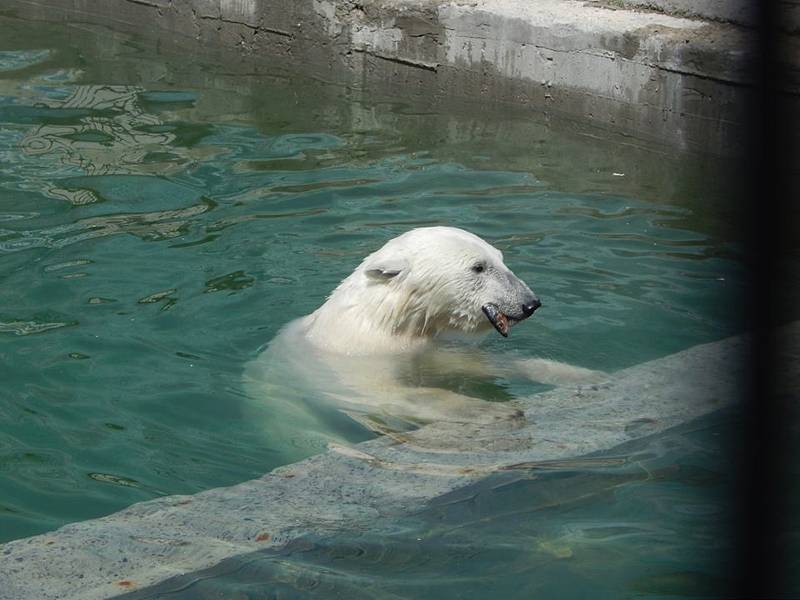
(348, 488)
(686, 83)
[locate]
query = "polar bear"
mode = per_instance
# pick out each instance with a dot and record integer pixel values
(376, 352)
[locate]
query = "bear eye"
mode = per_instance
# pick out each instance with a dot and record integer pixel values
(479, 268)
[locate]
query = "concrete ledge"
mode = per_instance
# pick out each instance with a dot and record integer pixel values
(684, 83)
(741, 12)
(349, 488)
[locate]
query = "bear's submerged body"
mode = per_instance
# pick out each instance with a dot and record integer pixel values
(367, 355)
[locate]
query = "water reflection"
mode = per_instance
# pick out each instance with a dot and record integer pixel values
(153, 226)
(102, 134)
(112, 135)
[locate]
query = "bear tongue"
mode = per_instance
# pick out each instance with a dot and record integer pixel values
(496, 318)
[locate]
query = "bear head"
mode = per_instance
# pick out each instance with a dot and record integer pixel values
(431, 280)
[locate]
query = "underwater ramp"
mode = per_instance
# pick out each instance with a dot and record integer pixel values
(354, 488)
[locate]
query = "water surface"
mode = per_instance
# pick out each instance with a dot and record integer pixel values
(160, 221)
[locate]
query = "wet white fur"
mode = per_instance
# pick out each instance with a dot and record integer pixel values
(348, 356)
(416, 288)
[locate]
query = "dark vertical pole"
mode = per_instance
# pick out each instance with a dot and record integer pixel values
(766, 489)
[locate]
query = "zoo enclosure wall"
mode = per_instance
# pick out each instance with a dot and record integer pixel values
(655, 72)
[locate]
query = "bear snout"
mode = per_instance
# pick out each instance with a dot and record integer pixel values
(530, 308)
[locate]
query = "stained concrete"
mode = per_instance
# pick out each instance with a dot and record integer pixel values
(741, 12)
(685, 83)
(349, 488)
(679, 81)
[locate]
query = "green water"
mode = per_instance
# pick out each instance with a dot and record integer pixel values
(161, 219)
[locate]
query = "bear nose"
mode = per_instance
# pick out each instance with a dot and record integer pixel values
(530, 308)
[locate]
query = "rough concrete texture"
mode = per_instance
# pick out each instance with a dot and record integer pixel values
(349, 488)
(742, 12)
(682, 82)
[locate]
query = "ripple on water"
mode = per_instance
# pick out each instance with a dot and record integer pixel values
(12, 60)
(37, 324)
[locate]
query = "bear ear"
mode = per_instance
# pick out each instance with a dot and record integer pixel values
(385, 269)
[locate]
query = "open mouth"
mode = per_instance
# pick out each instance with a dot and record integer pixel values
(501, 321)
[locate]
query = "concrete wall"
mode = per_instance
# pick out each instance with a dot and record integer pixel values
(741, 12)
(685, 83)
